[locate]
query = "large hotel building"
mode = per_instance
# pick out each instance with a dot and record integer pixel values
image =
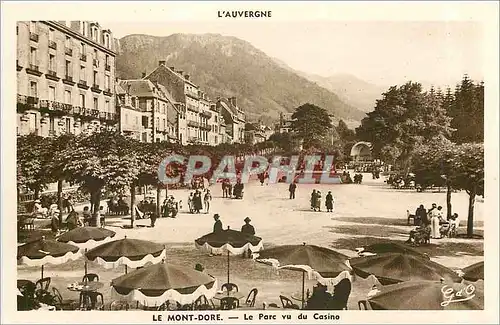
(65, 78)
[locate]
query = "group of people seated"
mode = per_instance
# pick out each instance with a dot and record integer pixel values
(432, 224)
(196, 202)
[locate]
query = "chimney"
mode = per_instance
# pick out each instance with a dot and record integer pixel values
(143, 75)
(186, 77)
(172, 68)
(161, 62)
(180, 72)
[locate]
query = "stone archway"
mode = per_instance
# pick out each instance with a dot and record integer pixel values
(361, 151)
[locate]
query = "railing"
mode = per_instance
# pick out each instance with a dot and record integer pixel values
(206, 114)
(34, 68)
(68, 78)
(52, 73)
(83, 57)
(34, 37)
(82, 82)
(193, 124)
(192, 108)
(68, 51)
(53, 45)
(95, 88)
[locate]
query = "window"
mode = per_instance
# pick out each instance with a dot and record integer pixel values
(82, 100)
(157, 122)
(164, 124)
(67, 68)
(82, 73)
(163, 108)
(52, 63)
(52, 93)
(32, 26)
(51, 34)
(84, 28)
(133, 101)
(106, 40)
(136, 120)
(107, 106)
(107, 83)
(68, 125)
(33, 59)
(126, 118)
(68, 42)
(67, 96)
(96, 103)
(82, 49)
(107, 59)
(96, 82)
(33, 89)
(52, 124)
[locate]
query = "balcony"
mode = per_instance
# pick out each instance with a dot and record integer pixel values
(34, 70)
(83, 57)
(192, 94)
(55, 108)
(206, 114)
(25, 103)
(53, 45)
(68, 80)
(52, 75)
(95, 88)
(34, 37)
(192, 108)
(193, 124)
(111, 117)
(82, 84)
(18, 67)
(107, 67)
(206, 127)
(107, 92)
(68, 51)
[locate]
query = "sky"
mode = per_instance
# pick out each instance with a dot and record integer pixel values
(383, 53)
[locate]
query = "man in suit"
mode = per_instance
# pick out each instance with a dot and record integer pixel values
(217, 224)
(247, 227)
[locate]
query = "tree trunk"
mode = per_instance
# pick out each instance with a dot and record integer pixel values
(166, 191)
(448, 200)
(158, 199)
(59, 195)
(470, 216)
(132, 205)
(97, 200)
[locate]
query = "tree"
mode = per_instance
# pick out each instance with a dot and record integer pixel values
(460, 167)
(103, 159)
(284, 141)
(33, 153)
(468, 175)
(467, 111)
(403, 119)
(311, 124)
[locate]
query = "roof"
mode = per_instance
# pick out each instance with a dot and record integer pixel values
(164, 67)
(119, 90)
(228, 106)
(139, 88)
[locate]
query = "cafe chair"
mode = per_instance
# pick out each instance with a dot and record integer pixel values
(287, 303)
(250, 302)
(119, 305)
(43, 284)
(229, 287)
(98, 304)
(341, 293)
(90, 301)
(90, 277)
(202, 303)
(60, 303)
(363, 305)
(228, 303)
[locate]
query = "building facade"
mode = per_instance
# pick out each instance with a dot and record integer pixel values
(234, 119)
(65, 78)
(148, 112)
(284, 124)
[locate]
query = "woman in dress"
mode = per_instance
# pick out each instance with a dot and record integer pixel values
(435, 224)
(329, 202)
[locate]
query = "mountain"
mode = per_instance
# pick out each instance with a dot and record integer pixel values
(352, 90)
(227, 66)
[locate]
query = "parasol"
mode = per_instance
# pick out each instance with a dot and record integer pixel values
(155, 284)
(320, 263)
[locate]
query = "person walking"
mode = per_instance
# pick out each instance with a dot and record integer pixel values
(206, 199)
(318, 201)
(217, 224)
(153, 218)
(291, 189)
(313, 199)
(329, 202)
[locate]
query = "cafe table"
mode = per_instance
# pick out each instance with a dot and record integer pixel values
(233, 294)
(90, 286)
